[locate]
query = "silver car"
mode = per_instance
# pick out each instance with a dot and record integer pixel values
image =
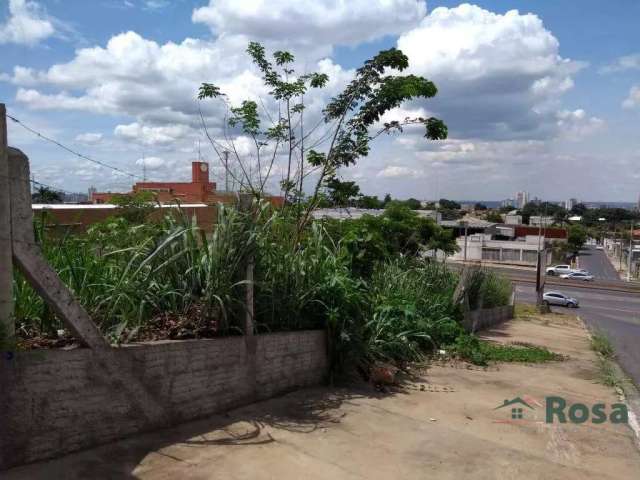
(584, 276)
(557, 298)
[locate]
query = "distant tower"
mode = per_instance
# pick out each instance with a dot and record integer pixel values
(569, 204)
(92, 190)
(199, 172)
(638, 204)
(522, 198)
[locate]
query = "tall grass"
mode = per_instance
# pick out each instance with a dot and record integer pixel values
(125, 274)
(134, 278)
(486, 289)
(411, 309)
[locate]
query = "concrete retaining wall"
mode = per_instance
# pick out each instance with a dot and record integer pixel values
(486, 318)
(54, 402)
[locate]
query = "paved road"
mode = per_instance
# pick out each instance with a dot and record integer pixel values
(597, 262)
(616, 314)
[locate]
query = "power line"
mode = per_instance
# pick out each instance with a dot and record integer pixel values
(56, 189)
(73, 152)
(36, 183)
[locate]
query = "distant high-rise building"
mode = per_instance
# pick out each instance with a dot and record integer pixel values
(638, 204)
(522, 198)
(509, 202)
(92, 190)
(569, 204)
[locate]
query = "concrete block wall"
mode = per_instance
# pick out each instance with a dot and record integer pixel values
(477, 320)
(54, 402)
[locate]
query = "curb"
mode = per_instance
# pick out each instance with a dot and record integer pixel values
(628, 393)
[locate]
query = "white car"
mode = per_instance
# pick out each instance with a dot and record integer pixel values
(599, 247)
(557, 298)
(584, 276)
(559, 270)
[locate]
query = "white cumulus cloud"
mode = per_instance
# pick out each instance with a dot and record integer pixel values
(89, 138)
(633, 100)
(151, 163)
(27, 24)
(150, 135)
(396, 171)
(311, 22)
(498, 76)
(577, 124)
(624, 63)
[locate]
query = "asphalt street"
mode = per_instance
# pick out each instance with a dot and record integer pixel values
(597, 262)
(608, 303)
(617, 314)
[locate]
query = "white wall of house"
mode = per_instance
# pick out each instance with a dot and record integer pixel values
(513, 219)
(536, 220)
(480, 247)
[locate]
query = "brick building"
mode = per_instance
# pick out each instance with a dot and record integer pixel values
(199, 190)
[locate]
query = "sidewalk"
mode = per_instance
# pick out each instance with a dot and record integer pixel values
(443, 424)
(620, 266)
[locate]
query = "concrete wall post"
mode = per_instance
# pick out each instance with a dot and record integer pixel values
(6, 267)
(245, 204)
(28, 256)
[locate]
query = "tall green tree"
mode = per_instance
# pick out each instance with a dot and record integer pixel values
(277, 127)
(46, 195)
(370, 202)
(413, 204)
(576, 237)
(342, 193)
(448, 204)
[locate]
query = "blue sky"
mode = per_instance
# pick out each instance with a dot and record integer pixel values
(566, 125)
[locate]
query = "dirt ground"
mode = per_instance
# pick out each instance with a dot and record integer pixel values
(441, 424)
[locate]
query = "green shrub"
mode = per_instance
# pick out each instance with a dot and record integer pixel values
(481, 352)
(487, 289)
(601, 344)
(411, 310)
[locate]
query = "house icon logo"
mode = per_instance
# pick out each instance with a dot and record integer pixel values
(517, 405)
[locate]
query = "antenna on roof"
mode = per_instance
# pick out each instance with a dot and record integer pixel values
(144, 168)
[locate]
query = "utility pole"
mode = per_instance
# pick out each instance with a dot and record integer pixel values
(620, 251)
(630, 252)
(466, 227)
(226, 170)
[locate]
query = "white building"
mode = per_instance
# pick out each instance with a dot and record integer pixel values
(467, 207)
(522, 198)
(540, 221)
(355, 213)
(569, 204)
(512, 219)
(480, 247)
